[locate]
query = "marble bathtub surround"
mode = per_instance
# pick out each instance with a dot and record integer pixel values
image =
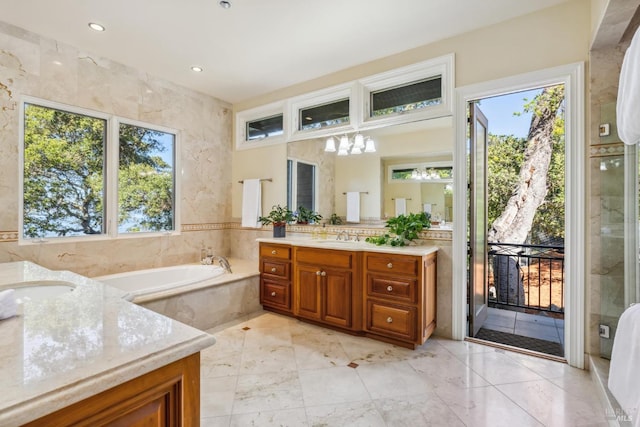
(61, 350)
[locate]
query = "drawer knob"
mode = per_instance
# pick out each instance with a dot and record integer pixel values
(273, 294)
(324, 273)
(318, 273)
(390, 288)
(389, 319)
(273, 269)
(274, 252)
(390, 265)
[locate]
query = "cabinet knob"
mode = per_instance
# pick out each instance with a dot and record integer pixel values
(273, 269)
(274, 252)
(318, 273)
(390, 288)
(389, 319)
(324, 273)
(390, 265)
(273, 294)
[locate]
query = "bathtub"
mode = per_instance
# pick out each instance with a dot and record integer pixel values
(202, 296)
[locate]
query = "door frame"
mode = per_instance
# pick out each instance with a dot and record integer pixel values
(572, 76)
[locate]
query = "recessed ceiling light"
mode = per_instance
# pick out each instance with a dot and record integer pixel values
(197, 69)
(96, 27)
(225, 4)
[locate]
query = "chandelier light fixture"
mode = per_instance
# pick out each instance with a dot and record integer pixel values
(357, 145)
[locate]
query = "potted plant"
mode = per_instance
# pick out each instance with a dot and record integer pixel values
(279, 217)
(306, 216)
(403, 229)
(334, 219)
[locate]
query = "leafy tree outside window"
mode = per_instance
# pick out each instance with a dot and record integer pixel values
(66, 175)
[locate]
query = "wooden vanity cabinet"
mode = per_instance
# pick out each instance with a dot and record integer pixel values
(400, 297)
(275, 277)
(324, 286)
(168, 396)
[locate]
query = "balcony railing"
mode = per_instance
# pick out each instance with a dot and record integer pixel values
(526, 276)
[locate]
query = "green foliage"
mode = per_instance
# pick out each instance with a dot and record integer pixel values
(403, 229)
(306, 216)
(279, 215)
(334, 219)
(505, 154)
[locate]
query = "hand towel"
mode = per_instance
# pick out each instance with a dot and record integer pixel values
(251, 203)
(8, 304)
(353, 206)
(628, 102)
(624, 375)
(401, 206)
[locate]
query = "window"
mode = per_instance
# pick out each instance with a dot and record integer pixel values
(301, 185)
(412, 96)
(70, 189)
(326, 115)
(421, 172)
(264, 128)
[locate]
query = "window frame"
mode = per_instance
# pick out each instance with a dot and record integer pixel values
(427, 165)
(292, 182)
(110, 174)
(253, 114)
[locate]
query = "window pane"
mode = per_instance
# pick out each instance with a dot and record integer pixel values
(306, 185)
(408, 97)
(63, 173)
(145, 180)
(325, 115)
(264, 128)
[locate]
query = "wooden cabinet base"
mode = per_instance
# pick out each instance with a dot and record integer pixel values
(168, 396)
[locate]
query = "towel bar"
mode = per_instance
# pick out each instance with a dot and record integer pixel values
(261, 179)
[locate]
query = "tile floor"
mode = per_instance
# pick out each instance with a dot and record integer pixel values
(528, 325)
(271, 370)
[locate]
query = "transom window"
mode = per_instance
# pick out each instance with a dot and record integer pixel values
(325, 115)
(264, 128)
(412, 96)
(70, 187)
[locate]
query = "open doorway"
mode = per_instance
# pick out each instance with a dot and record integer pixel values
(516, 219)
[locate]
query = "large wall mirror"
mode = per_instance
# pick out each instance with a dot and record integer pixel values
(420, 151)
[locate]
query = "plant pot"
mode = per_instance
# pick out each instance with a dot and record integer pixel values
(279, 230)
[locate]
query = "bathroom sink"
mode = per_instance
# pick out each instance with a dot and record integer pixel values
(38, 291)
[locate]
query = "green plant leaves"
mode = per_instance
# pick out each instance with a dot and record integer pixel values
(403, 229)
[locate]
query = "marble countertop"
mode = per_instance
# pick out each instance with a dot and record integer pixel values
(63, 349)
(332, 243)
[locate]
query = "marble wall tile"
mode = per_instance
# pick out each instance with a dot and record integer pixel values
(48, 69)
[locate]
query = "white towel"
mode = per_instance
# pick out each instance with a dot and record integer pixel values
(628, 103)
(251, 203)
(353, 206)
(401, 206)
(8, 304)
(624, 374)
(426, 208)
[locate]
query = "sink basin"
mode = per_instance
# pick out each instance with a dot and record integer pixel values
(38, 291)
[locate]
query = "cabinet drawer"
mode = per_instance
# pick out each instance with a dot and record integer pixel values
(399, 288)
(275, 251)
(394, 321)
(275, 294)
(325, 257)
(394, 264)
(275, 268)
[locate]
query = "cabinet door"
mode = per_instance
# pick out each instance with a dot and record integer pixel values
(307, 291)
(337, 297)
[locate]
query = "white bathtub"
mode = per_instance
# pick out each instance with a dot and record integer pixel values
(162, 281)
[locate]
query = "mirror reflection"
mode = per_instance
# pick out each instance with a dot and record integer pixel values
(409, 172)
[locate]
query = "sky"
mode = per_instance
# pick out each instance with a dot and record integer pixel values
(499, 112)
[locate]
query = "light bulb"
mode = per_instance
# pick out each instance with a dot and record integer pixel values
(344, 144)
(330, 146)
(371, 147)
(358, 141)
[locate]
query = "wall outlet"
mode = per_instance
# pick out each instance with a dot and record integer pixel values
(604, 331)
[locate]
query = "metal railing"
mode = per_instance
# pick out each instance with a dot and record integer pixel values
(526, 276)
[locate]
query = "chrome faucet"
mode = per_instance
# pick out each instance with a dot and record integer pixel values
(224, 263)
(340, 233)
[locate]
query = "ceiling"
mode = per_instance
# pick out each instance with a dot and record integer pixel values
(256, 46)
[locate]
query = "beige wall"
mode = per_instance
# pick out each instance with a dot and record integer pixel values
(47, 69)
(551, 37)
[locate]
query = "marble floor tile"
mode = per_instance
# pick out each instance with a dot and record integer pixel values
(271, 370)
(356, 414)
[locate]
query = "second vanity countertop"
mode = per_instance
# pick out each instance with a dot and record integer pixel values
(350, 245)
(63, 349)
